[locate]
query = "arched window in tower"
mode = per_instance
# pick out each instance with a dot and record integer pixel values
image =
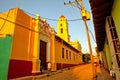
(61, 25)
(61, 30)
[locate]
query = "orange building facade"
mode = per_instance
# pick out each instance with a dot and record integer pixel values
(34, 43)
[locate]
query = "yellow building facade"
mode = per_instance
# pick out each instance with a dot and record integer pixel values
(67, 53)
(63, 28)
(35, 43)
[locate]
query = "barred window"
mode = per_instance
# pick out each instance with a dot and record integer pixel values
(61, 30)
(62, 52)
(66, 54)
(70, 55)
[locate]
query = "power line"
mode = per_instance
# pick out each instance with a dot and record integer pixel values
(92, 35)
(49, 18)
(41, 17)
(19, 25)
(4, 21)
(53, 19)
(8, 16)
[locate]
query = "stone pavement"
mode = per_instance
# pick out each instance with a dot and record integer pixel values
(103, 74)
(82, 72)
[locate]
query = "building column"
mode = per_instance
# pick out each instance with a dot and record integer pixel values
(48, 52)
(53, 50)
(36, 61)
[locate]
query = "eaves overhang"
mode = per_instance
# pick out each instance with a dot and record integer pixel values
(100, 10)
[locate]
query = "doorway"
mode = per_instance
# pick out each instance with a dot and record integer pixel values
(42, 56)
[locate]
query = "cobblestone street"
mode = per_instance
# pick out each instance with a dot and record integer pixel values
(83, 72)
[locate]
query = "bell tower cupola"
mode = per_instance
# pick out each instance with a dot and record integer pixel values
(63, 28)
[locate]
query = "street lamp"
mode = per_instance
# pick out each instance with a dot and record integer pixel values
(85, 16)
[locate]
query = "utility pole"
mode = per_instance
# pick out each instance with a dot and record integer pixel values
(85, 16)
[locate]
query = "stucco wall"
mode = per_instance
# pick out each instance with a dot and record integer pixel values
(22, 35)
(21, 56)
(5, 51)
(108, 54)
(116, 15)
(75, 57)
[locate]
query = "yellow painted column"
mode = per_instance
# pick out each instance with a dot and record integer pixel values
(53, 50)
(36, 49)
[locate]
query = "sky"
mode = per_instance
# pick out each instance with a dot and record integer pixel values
(53, 9)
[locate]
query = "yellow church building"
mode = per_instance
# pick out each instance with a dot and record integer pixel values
(27, 43)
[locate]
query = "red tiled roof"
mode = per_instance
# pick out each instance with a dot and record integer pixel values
(62, 16)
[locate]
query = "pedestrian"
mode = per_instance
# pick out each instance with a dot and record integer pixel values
(112, 73)
(41, 68)
(49, 67)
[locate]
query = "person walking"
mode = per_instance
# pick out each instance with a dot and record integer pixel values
(41, 68)
(49, 67)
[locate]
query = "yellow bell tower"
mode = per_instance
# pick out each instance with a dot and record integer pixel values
(63, 28)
